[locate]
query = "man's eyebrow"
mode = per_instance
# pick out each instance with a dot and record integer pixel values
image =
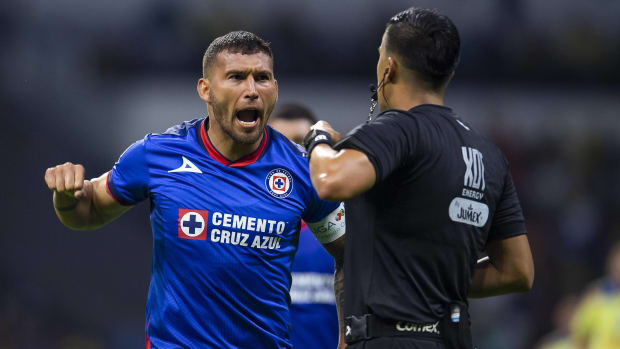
(237, 71)
(264, 71)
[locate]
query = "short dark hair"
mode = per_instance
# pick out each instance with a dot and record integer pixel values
(235, 42)
(427, 42)
(293, 111)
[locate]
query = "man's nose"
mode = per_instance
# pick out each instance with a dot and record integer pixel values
(251, 92)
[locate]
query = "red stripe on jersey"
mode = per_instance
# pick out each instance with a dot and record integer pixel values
(148, 340)
(107, 186)
(244, 161)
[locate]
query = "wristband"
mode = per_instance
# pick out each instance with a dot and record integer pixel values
(316, 137)
(67, 208)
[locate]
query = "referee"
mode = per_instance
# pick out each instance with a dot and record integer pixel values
(425, 194)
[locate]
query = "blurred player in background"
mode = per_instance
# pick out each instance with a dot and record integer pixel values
(227, 197)
(596, 324)
(313, 306)
(424, 194)
(563, 314)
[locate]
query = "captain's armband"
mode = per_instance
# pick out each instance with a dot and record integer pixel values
(331, 227)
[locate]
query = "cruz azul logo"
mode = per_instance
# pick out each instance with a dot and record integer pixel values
(193, 224)
(279, 183)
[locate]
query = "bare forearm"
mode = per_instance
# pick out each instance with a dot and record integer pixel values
(489, 281)
(77, 214)
(340, 175)
(81, 204)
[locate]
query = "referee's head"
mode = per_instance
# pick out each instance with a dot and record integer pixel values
(420, 46)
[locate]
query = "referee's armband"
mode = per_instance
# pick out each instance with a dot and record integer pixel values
(331, 227)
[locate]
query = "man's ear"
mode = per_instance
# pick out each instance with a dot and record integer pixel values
(203, 89)
(276, 82)
(392, 69)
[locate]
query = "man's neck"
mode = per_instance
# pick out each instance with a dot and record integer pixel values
(404, 97)
(227, 146)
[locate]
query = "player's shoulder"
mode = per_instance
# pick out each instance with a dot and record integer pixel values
(182, 131)
(284, 144)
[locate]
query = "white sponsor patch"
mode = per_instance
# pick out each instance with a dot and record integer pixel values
(331, 227)
(469, 212)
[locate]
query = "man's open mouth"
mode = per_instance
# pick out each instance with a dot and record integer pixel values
(248, 117)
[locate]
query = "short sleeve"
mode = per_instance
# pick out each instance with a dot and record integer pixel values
(318, 209)
(388, 141)
(508, 220)
(129, 178)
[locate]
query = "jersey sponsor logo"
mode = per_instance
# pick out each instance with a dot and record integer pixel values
(193, 224)
(402, 326)
(469, 212)
(279, 183)
(331, 227)
(235, 230)
(474, 171)
(187, 166)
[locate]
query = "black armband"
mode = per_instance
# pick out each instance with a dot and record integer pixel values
(316, 137)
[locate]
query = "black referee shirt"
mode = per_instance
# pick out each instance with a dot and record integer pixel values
(442, 192)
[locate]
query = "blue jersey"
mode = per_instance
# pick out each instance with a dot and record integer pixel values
(224, 235)
(313, 305)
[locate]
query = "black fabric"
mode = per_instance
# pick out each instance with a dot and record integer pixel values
(413, 239)
(397, 343)
(371, 326)
(456, 327)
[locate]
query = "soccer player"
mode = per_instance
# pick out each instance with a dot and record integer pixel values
(596, 324)
(313, 305)
(425, 194)
(227, 198)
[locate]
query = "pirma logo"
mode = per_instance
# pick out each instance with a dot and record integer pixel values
(279, 183)
(193, 224)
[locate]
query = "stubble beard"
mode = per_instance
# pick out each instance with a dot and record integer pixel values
(227, 125)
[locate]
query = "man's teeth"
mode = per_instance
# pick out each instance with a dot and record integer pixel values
(248, 123)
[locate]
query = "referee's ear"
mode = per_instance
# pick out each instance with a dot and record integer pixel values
(203, 89)
(392, 66)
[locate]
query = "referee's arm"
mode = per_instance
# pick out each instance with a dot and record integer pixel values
(339, 175)
(509, 269)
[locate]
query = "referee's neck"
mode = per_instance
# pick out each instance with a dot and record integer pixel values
(405, 97)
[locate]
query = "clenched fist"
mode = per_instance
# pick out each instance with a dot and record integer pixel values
(67, 182)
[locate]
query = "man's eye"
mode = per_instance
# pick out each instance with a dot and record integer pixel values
(236, 77)
(262, 77)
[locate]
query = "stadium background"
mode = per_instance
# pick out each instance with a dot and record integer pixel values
(81, 80)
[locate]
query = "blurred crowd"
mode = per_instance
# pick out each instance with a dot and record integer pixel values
(538, 77)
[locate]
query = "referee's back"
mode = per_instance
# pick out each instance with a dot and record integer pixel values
(442, 191)
(425, 195)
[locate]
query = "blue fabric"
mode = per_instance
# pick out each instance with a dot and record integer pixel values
(223, 243)
(313, 307)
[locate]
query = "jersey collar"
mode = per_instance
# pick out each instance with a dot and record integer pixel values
(244, 161)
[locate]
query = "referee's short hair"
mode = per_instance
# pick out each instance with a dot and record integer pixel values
(293, 111)
(235, 42)
(427, 43)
